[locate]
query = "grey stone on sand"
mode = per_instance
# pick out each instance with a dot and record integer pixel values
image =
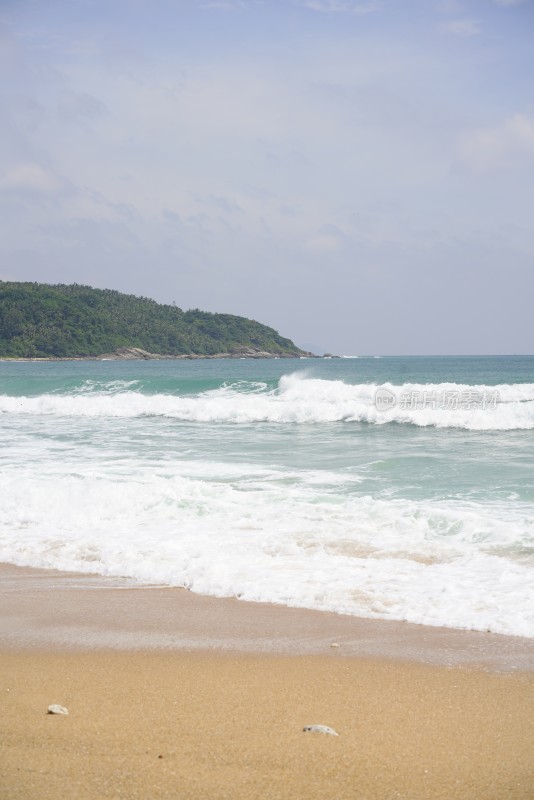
(55, 709)
(320, 729)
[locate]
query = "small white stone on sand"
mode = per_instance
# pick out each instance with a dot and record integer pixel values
(55, 709)
(320, 729)
(334, 644)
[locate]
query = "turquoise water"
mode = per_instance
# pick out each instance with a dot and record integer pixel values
(282, 480)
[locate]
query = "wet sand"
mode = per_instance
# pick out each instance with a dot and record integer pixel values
(171, 695)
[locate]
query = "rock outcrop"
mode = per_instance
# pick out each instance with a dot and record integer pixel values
(242, 351)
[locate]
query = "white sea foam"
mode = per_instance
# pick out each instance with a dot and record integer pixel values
(102, 476)
(105, 387)
(298, 399)
(247, 531)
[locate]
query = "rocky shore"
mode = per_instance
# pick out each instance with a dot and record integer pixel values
(131, 353)
(137, 354)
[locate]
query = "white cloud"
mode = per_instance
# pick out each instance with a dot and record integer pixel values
(342, 6)
(225, 5)
(32, 177)
(462, 27)
(78, 106)
(328, 239)
(225, 205)
(230, 5)
(323, 243)
(449, 6)
(508, 144)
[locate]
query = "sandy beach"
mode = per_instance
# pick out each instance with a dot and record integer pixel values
(175, 695)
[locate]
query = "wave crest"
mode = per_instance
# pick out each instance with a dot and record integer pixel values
(300, 399)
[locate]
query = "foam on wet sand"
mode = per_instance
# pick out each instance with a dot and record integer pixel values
(174, 695)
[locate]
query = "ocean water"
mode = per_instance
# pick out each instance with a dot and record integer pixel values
(396, 488)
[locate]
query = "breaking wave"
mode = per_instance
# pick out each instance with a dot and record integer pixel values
(300, 399)
(255, 536)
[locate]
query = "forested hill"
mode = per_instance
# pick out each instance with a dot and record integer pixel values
(40, 320)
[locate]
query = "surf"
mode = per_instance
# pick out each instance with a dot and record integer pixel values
(298, 399)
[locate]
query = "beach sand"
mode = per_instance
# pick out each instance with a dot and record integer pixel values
(171, 695)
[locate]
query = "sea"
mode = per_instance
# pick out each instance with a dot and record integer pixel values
(398, 488)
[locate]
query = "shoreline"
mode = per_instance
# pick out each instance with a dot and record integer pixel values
(138, 354)
(46, 609)
(171, 694)
(188, 357)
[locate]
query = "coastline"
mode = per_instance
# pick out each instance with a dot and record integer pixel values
(152, 357)
(47, 609)
(171, 694)
(137, 354)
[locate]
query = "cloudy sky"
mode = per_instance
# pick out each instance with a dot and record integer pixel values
(359, 174)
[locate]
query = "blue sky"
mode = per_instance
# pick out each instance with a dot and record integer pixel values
(358, 174)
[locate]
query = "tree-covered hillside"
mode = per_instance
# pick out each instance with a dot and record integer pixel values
(40, 320)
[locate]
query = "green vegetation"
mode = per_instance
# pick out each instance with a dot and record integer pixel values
(39, 320)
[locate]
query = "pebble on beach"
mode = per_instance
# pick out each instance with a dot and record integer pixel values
(320, 729)
(55, 709)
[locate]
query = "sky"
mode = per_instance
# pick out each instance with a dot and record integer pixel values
(358, 174)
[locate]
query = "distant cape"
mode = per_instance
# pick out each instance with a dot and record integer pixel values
(39, 320)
